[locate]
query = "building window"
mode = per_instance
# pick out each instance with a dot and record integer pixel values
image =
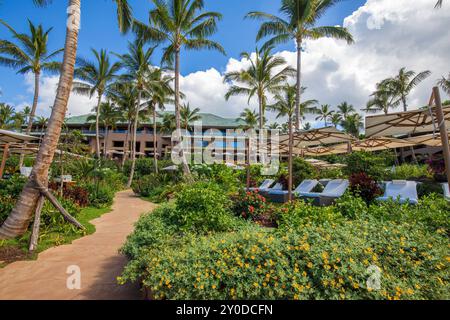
(149, 144)
(118, 144)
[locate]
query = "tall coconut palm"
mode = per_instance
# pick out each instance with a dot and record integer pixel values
(324, 113)
(30, 54)
(137, 63)
(249, 119)
(298, 23)
(307, 107)
(285, 106)
(180, 24)
(27, 113)
(383, 99)
(189, 116)
(158, 87)
(444, 83)
(6, 116)
(336, 119)
(95, 78)
(404, 82)
(274, 126)
(17, 222)
(344, 109)
(108, 117)
(259, 79)
(352, 124)
(41, 123)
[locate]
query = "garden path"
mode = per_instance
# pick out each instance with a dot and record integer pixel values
(96, 256)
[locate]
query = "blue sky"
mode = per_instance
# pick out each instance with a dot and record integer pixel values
(99, 30)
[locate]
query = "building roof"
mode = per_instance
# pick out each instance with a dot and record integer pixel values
(208, 120)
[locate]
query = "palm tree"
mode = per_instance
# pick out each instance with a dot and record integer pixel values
(181, 24)
(307, 107)
(444, 83)
(345, 110)
(298, 24)
(169, 123)
(336, 119)
(95, 78)
(274, 126)
(137, 63)
(41, 122)
(6, 116)
(383, 99)
(189, 116)
(285, 106)
(124, 96)
(324, 113)
(27, 112)
(352, 124)
(108, 117)
(259, 79)
(160, 92)
(17, 222)
(403, 83)
(250, 120)
(307, 126)
(30, 54)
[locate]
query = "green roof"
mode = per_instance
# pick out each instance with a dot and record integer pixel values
(208, 120)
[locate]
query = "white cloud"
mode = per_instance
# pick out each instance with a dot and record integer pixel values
(388, 35)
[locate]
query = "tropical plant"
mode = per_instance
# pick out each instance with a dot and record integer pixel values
(169, 123)
(31, 54)
(298, 24)
(274, 126)
(108, 117)
(137, 64)
(95, 78)
(344, 110)
(383, 99)
(6, 116)
(336, 119)
(324, 113)
(352, 124)
(404, 82)
(285, 107)
(181, 24)
(444, 83)
(259, 79)
(17, 222)
(250, 118)
(157, 86)
(189, 116)
(307, 126)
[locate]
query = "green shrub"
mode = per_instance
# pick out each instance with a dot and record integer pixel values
(410, 172)
(334, 173)
(302, 170)
(325, 261)
(9, 192)
(203, 207)
(100, 194)
(374, 165)
(150, 185)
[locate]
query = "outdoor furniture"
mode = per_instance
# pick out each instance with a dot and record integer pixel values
(265, 192)
(282, 196)
(265, 185)
(26, 171)
(65, 179)
(446, 191)
(334, 190)
(402, 191)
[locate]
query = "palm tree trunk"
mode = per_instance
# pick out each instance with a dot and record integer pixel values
(405, 106)
(186, 169)
(37, 77)
(17, 222)
(155, 141)
(126, 144)
(299, 85)
(105, 147)
(97, 129)
(261, 112)
(291, 138)
(133, 147)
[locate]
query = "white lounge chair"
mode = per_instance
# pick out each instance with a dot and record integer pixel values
(281, 196)
(446, 191)
(265, 185)
(334, 190)
(402, 191)
(26, 171)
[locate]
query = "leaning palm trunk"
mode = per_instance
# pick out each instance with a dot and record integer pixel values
(299, 87)
(185, 165)
(17, 222)
(37, 76)
(97, 126)
(133, 147)
(155, 149)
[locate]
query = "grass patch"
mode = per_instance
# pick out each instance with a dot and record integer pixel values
(51, 237)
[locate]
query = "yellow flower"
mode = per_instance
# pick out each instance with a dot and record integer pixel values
(309, 265)
(256, 285)
(213, 286)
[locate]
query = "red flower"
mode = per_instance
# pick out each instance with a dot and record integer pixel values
(251, 209)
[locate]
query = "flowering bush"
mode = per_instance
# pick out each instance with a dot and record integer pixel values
(249, 204)
(364, 186)
(78, 194)
(325, 261)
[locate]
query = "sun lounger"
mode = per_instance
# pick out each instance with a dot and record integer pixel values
(265, 192)
(446, 191)
(334, 190)
(26, 171)
(282, 196)
(265, 185)
(402, 191)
